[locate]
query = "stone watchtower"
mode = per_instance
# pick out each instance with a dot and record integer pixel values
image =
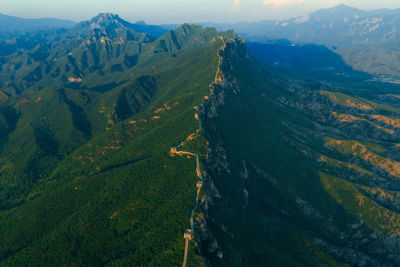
(188, 234)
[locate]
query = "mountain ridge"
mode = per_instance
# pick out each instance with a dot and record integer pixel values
(355, 35)
(76, 52)
(9, 24)
(269, 142)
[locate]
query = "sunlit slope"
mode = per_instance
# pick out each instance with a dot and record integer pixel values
(99, 54)
(121, 198)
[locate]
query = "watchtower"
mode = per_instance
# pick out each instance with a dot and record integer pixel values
(188, 234)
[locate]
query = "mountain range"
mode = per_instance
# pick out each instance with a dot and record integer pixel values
(116, 142)
(86, 55)
(368, 41)
(11, 24)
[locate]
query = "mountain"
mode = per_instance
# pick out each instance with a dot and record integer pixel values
(366, 40)
(87, 55)
(315, 62)
(338, 14)
(300, 173)
(10, 24)
(196, 139)
(112, 21)
(86, 174)
(157, 31)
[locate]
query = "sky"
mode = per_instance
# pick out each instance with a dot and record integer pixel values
(179, 11)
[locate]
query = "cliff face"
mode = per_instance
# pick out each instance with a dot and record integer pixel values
(233, 50)
(283, 185)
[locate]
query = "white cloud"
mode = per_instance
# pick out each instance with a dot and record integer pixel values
(281, 3)
(235, 6)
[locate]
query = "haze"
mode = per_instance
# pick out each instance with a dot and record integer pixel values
(178, 11)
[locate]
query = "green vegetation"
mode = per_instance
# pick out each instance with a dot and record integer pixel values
(354, 202)
(358, 102)
(270, 204)
(87, 176)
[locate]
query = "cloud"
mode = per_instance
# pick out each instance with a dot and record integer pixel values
(281, 3)
(235, 6)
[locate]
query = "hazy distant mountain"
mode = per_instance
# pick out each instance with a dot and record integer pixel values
(141, 26)
(12, 24)
(368, 41)
(310, 61)
(112, 21)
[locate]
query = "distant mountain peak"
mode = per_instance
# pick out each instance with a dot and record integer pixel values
(106, 16)
(340, 9)
(107, 19)
(108, 23)
(140, 22)
(338, 13)
(341, 6)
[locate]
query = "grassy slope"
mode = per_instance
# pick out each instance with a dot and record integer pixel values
(120, 199)
(55, 121)
(67, 118)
